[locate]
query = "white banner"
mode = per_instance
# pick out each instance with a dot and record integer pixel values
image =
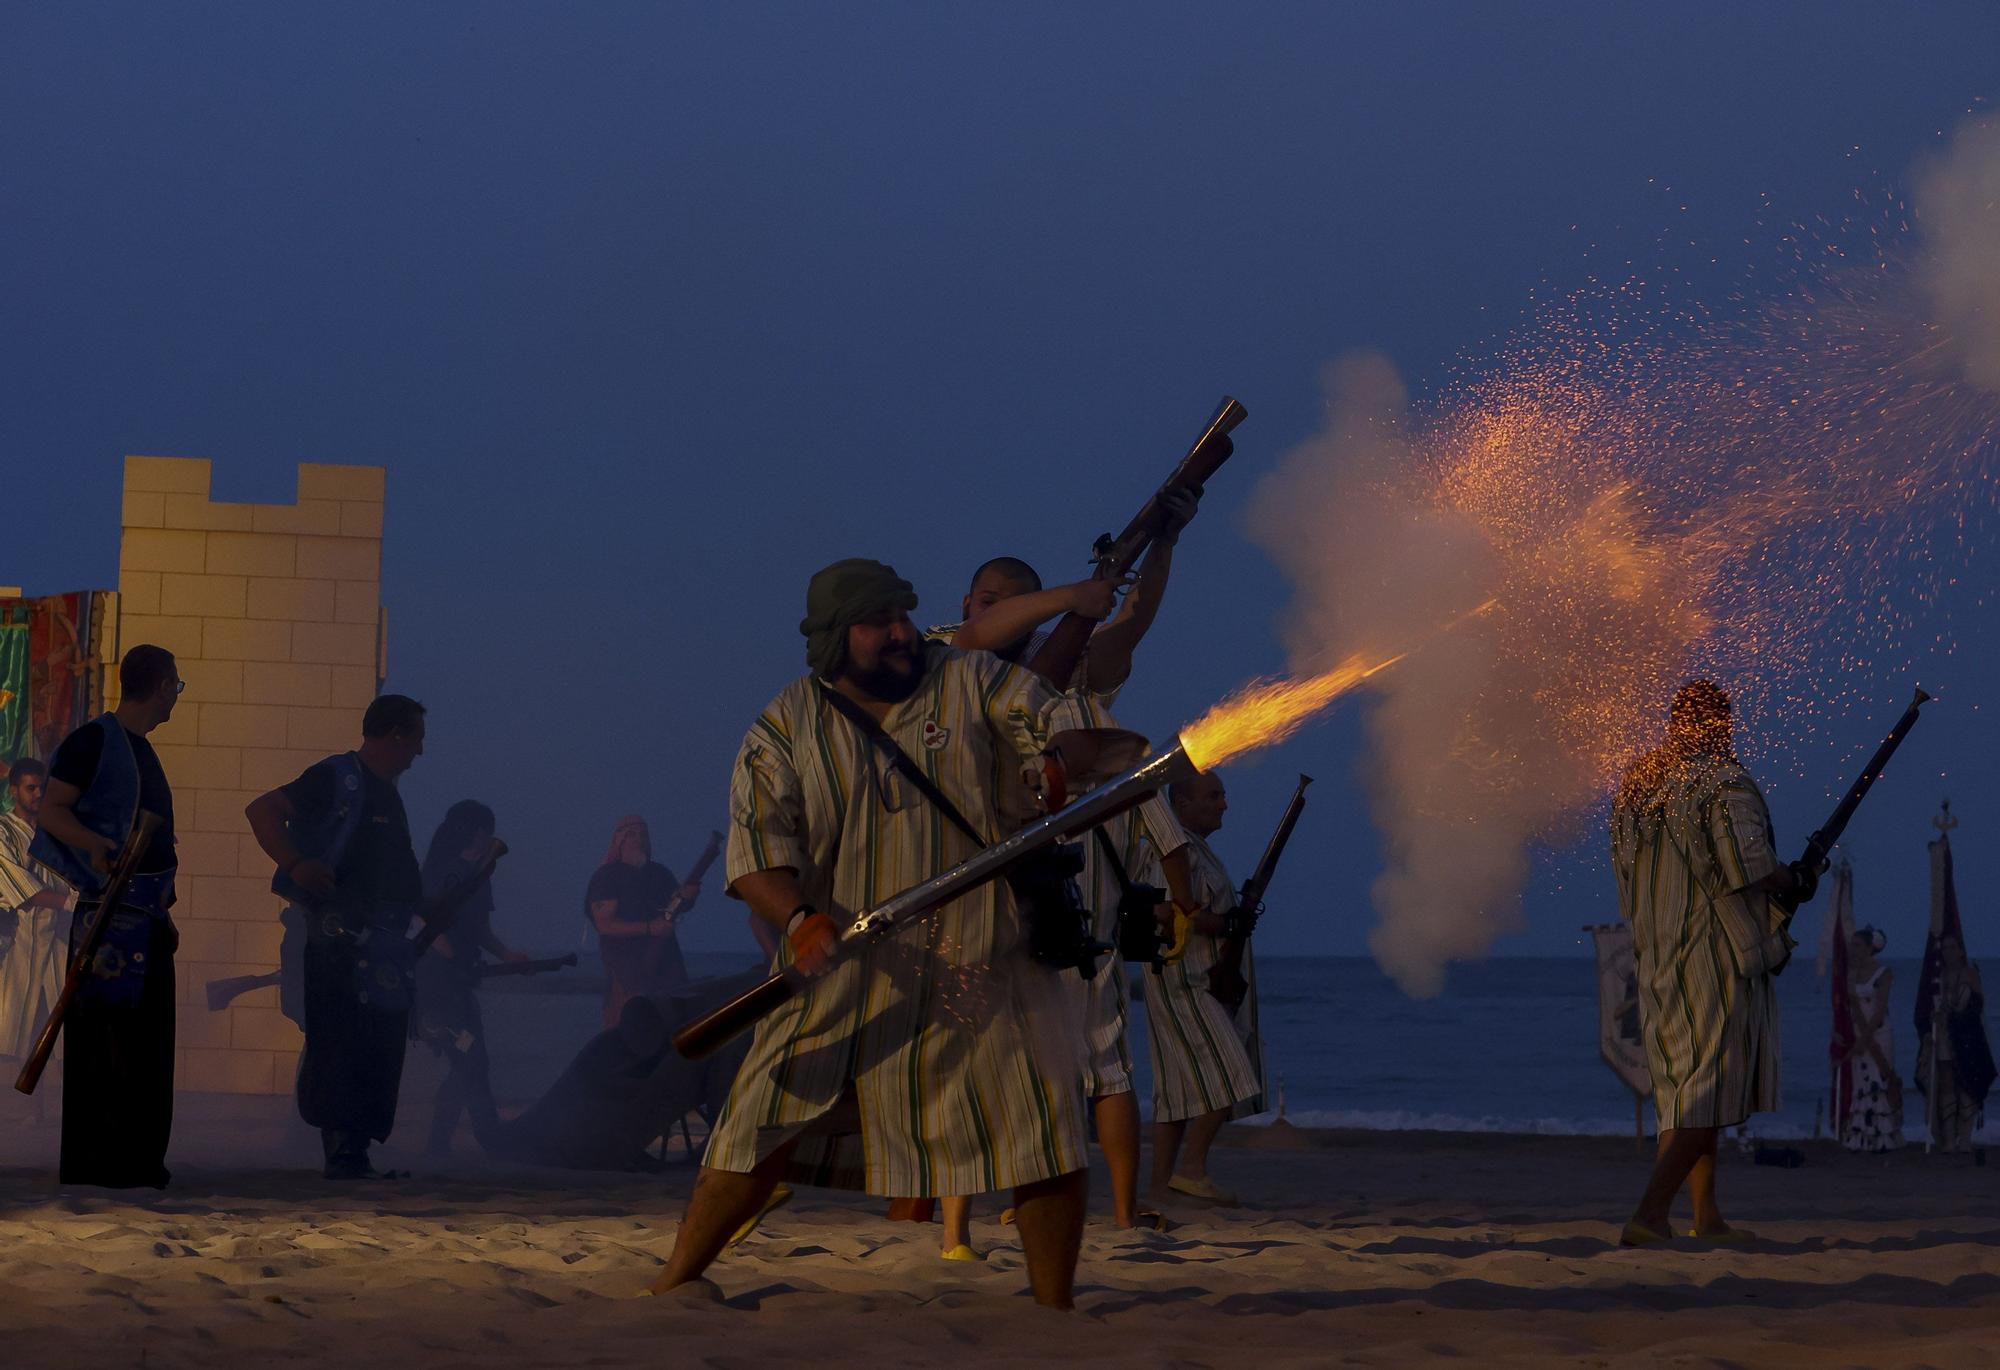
(1618, 1037)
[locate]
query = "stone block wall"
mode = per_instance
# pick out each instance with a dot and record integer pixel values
(274, 613)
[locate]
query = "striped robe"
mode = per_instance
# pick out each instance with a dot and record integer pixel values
(32, 961)
(1107, 997)
(1202, 1058)
(941, 1060)
(1684, 851)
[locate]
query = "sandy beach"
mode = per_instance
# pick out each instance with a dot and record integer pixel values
(1351, 1248)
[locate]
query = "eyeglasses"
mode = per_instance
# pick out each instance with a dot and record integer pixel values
(180, 685)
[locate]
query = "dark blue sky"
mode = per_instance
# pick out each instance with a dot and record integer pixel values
(652, 309)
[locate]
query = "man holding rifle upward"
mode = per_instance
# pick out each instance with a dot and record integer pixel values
(341, 842)
(1004, 611)
(118, 1040)
(943, 1059)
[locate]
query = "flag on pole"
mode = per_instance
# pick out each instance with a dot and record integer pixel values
(1945, 926)
(1619, 1040)
(1839, 927)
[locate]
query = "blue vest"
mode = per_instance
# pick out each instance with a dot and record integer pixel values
(327, 839)
(107, 808)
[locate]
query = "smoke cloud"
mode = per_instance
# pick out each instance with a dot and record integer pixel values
(1957, 199)
(1645, 491)
(1500, 729)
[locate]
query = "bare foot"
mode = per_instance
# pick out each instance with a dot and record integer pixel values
(696, 1290)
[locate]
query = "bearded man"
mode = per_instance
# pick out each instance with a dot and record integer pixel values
(943, 1059)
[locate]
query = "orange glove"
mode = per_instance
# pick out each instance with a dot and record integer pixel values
(813, 940)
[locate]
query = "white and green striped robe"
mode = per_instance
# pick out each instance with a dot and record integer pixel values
(1685, 854)
(959, 1054)
(1202, 1055)
(31, 962)
(1108, 996)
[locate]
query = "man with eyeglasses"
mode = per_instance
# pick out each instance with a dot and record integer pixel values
(118, 1040)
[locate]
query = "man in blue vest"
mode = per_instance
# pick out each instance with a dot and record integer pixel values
(118, 1041)
(341, 842)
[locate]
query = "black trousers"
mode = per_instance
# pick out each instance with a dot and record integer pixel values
(448, 1006)
(118, 1079)
(353, 1062)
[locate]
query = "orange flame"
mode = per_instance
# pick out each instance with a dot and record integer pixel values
(1266, 712)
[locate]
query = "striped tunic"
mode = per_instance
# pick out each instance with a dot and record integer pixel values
(32, 963)
(941, 1060)
(1107, 997)
(1684, 849)
(1202, 1057)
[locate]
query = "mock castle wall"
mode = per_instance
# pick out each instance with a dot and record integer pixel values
(274, 614)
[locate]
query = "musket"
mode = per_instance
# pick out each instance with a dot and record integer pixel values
(440, 913)
(701, 1037)
(1063, 648)
(222, 993)
(1225, 977)
(493, 970)
(85, 957)
(1819, 847)
(676, 905)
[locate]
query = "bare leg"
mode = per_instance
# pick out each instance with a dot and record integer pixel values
(1701, 1188)
(1166, 1150)
(957, 1221)
(1681, 1148)
(1050, 1216)
(1201, 1133)
(723, 1200)
(1118, 1134)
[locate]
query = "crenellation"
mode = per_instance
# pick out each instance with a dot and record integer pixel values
(274, 614)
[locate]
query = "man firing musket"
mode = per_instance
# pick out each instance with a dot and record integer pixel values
(934, 1061)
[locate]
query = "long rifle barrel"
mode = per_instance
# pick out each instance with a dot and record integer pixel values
(1819, 847)
(704, 1035)
(80, 963)
(1057, 659)
(1274, 850)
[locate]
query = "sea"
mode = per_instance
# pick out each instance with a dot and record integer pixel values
(1509, 1046)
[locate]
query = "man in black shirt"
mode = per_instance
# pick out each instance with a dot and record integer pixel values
(341, 841)
(118, 1072)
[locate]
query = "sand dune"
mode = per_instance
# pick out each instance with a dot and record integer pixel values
(1352, 1248)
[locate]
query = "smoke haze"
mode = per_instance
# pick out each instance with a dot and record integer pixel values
(1958, 200)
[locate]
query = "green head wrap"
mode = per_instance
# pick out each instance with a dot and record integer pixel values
(839, 597)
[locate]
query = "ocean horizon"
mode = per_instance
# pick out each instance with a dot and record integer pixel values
(1510, 1045)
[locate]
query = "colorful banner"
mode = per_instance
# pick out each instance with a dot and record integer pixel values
(1619, 1040)
(14, 659)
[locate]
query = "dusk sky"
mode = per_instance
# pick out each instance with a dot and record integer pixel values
(650, 310)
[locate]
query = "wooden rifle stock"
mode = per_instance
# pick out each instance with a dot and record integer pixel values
(1225, 978)
(222, 993)
(658, 951)
(122, 871)
(1057, 659)
(702, 1038)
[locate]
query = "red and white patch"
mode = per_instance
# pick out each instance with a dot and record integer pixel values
(934, 736)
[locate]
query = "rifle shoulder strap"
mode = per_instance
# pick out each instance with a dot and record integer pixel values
(1110, 850)
(900, 759)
